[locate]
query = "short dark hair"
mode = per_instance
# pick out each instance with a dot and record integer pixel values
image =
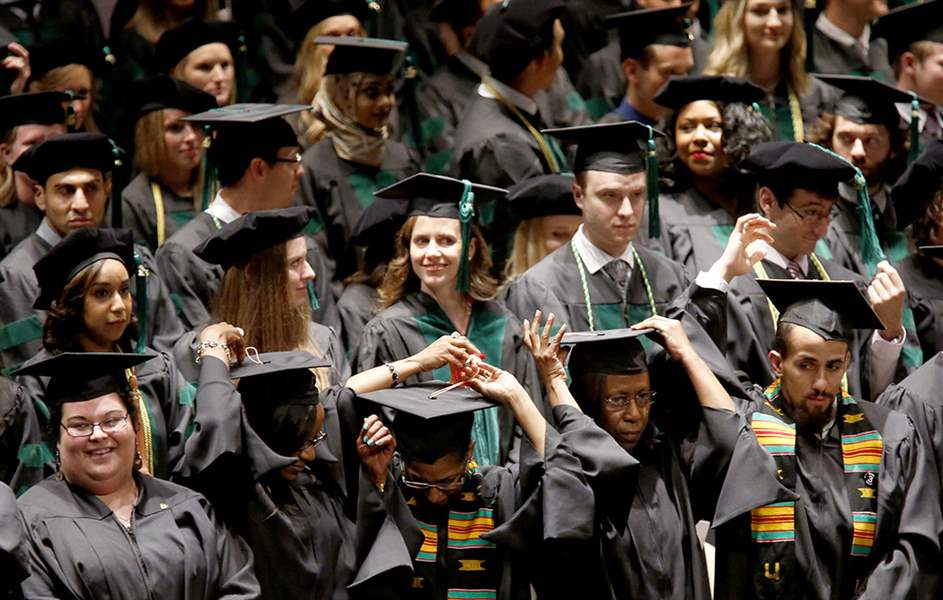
(824, 129)
(506, 70)
(53, 428)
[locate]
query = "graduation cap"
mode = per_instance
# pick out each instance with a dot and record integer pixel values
(811, 167)
(931, 251)
(909, 24)
(80, 376)
(175, 44)
(36, 108)
(164, 91)
(831, 309)
(237, 242)
(641, 28)
(622, 148)
(514, 32)
(353, 54)
(61, 52)
(243, 132)
(916, 188)
(678, 92)
(444, 197)
(610, 352)
(457, 13)
(428, 429)
(75, 252)
(376, 230)
(299, 22)
(543, 195)
(280, 395)
(64, 152)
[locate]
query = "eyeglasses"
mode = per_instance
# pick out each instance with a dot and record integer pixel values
(449, 487)
(642, 400)
(810, 215)
(313, 442)
(109, 425)
(294, 158)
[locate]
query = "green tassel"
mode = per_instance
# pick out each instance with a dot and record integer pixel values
(116, 186)
(651, 181)
(313, 297)
(209, 176)
(914, 128)
(140, 283)
(466, 211)
(871, 252)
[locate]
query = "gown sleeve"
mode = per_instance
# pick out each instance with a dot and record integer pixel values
(164, 327)
(12, 548)
(237, 580)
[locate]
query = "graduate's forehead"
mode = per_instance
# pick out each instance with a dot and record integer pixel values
(804, 344)
(617, 383)
(603, 180)
(427, 226)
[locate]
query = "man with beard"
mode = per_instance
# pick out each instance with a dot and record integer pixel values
(863, 127)
(845, 503)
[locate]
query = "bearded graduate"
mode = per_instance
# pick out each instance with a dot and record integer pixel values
(846, 502)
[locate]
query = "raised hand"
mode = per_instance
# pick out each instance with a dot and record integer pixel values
(496, 385)
(454, 349)
(375, 445)
(743, 247)
(17, 60)
(887, 294)
(674, 338)
(227, 336)
(546, 349)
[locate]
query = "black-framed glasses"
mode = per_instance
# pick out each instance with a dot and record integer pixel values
(621, 401)
(446, 487)
(109, 425)
(810, 215)
(313, 442)
(294, 159)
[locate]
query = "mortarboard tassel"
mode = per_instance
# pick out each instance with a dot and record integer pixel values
(914, 128)
(651, 181)
(140, 287)
(208, 175)
(313, 297)
(871, 252)
(466, 211)
(116, 186)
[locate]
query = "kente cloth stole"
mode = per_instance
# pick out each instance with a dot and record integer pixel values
(468, 567)
(772, 527)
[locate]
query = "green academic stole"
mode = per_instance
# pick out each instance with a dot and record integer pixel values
(472, 565)
(773, 527)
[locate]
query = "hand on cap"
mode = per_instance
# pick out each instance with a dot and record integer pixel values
(743, 247)
(17, 60)
(226, 336)
(546, 348)
(674, 339)
(887, 294)
(375, 445)
(453, 349)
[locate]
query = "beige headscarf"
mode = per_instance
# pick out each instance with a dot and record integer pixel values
(333, 109)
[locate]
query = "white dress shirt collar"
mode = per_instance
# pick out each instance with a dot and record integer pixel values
(594, 259)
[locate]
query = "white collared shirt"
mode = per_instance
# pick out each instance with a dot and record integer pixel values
(594, 259)
(47, 234)
(220, 209)
(903, 109)
(776, 257)
(513, 96)
(832, 31)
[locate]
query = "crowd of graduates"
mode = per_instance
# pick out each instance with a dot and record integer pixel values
(471, 299)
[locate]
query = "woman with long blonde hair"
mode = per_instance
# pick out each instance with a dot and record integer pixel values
(439, 283)
(764, 42)
(168, 151)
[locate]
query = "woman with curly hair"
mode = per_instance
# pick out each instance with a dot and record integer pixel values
(710, 128)
(85, 287)
(764, 42)
(439, 283)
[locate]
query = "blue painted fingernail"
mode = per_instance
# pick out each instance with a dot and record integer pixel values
(366, 440)
(369, 442)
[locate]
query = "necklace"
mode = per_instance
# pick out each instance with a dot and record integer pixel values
(586, 296)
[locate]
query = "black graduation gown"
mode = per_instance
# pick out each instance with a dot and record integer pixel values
(139, 211)
(12, 550)
(356, 306)
(167, 397)
(177, 546)
(21, 330)
(302, 538)
(830, 57)
(17, 221)
(24, 455)
(554, 285)
(192, 281)
(539, 508)
(923, 279)
(601, 80)
(416, 321)
(341, 190)
(694, 230)
(918, 397)
(904, 559)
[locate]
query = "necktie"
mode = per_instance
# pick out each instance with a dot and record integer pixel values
(794, 270)
(618, 271)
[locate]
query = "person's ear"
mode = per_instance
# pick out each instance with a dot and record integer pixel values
(472, 248)
(6, 153)
(776, 362)
(107, 185)
(765, 200)
(258, 168)
(39, 196)
(631, 68)
(908, 63)
(578, 195)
